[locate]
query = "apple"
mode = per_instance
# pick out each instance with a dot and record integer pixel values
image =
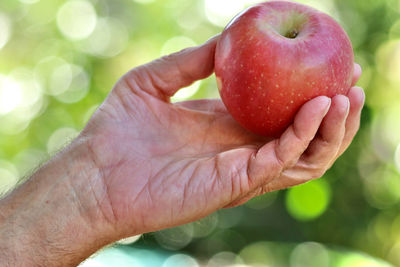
(274, 57)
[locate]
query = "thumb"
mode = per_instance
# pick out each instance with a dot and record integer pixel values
(166, 75)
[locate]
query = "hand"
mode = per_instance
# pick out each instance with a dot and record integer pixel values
(144, 164)
(164, 164)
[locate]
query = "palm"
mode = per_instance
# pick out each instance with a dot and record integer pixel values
(166, 164)
(168, 154)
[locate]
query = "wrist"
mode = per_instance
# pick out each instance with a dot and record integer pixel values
(55, 217)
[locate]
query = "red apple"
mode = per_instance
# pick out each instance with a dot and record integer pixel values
(274, 57)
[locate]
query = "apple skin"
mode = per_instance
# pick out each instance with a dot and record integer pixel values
(264, 77)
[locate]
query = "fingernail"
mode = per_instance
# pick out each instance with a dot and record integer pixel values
(347, 106)
(327, 104)
(363, 95)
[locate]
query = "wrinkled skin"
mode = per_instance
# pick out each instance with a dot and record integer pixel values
(165, 164)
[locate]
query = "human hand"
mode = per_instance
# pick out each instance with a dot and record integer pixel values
(165, 164)
(144, 164)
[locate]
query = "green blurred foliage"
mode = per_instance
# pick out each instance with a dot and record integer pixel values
(59, 59)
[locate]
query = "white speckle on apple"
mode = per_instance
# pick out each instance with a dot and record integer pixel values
(291, 102)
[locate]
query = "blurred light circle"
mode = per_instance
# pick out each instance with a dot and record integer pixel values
(60, 138)
(10, 94)
(175, 238)
(308, 201)
(176, 44)
(309, 254)
(51, 73)
(205, 226)
(31, 90)
(13, 123)
(383, 188)
(385, 132)
(60, 79)
(129, 240)
(78, 87)
(109, 38)
(180, 260)
(5, 30)
(359, 260)
(220, 12)
(8, 176)
(397, 158)
(189, 20)
(388, 60)
(187, 92)
(224, 259)
(8, 180)
(262, 254)
(21, 99)
(29, 159)
(76, 19)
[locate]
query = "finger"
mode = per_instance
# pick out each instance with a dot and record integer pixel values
(276, 156)
(284, 152)
(206, 105)
(357, 73)
(164, 76)
(357, 98)
(323, 149)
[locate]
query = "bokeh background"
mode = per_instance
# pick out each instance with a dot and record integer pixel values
(59, 59)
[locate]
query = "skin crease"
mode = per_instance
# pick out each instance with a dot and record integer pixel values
(143, 164)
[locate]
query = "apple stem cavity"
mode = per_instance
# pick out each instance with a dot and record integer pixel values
(292, 34)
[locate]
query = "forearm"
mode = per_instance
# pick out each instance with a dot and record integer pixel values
(52, 219)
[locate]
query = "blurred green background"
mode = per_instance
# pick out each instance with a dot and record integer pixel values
(59, 59)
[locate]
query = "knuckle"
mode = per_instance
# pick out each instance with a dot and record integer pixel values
(280, 162)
